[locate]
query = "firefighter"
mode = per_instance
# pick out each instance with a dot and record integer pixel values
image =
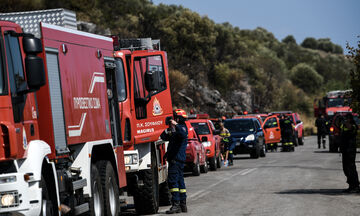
(287, 133)
(225, 140)
(348, 131)
(177, 135)
(321, 125)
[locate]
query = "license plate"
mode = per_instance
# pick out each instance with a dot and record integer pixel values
(250, 146)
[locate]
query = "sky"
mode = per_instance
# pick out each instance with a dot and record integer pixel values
(338, 20)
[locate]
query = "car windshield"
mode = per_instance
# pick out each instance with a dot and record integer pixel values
(240, 125)
(201, 128)
(336, 102)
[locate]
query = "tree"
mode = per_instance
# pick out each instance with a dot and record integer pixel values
(306, 78)
(289, 39)
(354, 55)
(310, 42)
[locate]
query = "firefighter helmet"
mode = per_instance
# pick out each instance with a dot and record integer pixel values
(180, 113)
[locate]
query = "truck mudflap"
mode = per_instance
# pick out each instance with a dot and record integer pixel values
(17, 195)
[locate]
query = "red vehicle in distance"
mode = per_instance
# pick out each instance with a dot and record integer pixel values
(298, 124)
(210, 139)
(196, 161)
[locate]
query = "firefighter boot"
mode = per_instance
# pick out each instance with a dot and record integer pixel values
(183, 206)
(175, 208)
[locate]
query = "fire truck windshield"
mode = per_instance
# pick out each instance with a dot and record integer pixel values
(335, 102)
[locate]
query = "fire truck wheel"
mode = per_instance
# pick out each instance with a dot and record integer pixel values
(110, 188)
(213, 163)
(204, 168)
(164, 194)
(96, 201)
(296, 139)
(196, 168)
(146, 197)
(218, 161)
(47, 207)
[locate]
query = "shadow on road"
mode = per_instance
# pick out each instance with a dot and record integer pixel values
(332, 192)
(323, 151)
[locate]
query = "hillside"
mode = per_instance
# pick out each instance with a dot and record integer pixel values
(219, 68)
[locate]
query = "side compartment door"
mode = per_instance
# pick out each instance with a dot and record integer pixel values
(271, 129)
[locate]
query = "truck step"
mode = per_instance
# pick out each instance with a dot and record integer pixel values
(79, 184)
(81, 208)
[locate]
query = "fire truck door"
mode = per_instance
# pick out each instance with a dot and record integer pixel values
(271, 128)
(113, 103)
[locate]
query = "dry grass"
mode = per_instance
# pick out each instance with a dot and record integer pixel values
(309, 125)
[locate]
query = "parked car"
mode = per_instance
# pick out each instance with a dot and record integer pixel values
(196, 161)
(247, 135)
(205, 129)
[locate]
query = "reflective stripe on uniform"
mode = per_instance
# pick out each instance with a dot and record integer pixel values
(174, 190)
(182, 190)
(230, 152)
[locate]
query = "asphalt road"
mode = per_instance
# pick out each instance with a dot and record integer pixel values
(308, 181)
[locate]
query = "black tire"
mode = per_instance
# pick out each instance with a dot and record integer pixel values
(164, 194)
(213, 163)
(146, 198)
(196, 168)
(96, 201)
(296, 140)
(263, 151)
(204, 168)
(110, 188)
(301, 139)
(219, 162)
(47, 207)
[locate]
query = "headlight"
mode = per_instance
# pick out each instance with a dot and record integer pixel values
(206, 144)
(131, 159)
(250, 137)
(8, 179)
(7, 200)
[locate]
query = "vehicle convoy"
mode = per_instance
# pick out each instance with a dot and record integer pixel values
(196, 160)
(332, 102)
(298, 125)
(210, 139)
(79, 127)
(247, 135)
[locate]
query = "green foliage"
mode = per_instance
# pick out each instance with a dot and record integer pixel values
(354, 55)
(310, 42)
(306, 78)
(289, 39)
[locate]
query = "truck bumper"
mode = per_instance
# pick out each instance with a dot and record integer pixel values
(27, 196)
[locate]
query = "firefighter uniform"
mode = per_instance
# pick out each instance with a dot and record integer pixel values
(226, 141)
(321, 125)
(348, 150)
(176, 156)
(287, 133)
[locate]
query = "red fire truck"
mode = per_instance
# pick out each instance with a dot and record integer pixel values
(70, 107)
(334, 101)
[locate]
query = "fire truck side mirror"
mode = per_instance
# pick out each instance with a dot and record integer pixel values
(152, 81)
(34, 65)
